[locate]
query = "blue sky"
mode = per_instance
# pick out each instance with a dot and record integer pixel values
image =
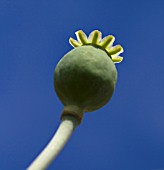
(127, 133)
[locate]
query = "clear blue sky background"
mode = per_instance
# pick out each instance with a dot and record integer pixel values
(127, 133)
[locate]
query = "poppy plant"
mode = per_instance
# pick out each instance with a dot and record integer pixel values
(84, 81)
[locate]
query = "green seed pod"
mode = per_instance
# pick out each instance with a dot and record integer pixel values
(85, 77)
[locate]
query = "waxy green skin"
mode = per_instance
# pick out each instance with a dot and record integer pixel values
(85, 77)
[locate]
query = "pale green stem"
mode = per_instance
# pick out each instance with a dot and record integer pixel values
(63, 133)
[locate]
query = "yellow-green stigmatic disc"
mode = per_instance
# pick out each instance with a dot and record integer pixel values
(95, 39)
(85, 77)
